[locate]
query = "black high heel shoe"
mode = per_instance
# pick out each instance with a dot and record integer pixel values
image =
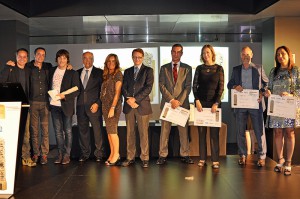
(116, 163)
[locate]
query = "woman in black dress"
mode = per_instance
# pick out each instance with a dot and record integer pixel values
(208, 86)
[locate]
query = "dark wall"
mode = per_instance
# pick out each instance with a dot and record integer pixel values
(13, 35)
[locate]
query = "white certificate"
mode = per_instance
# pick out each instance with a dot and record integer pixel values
(282, 106)
(177, 116)
(245, 99)
(207, 118)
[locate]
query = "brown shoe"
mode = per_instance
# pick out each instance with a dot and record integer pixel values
(242, 160)
(66, 160)
(261, 162)
(28, 162)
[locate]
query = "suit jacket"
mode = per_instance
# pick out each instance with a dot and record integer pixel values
(140, 89)
(69, 80)
(91, 94)
(11, 74)
(179, 91)
(236, 78)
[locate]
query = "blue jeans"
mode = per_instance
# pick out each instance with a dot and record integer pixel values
(63, 130)
(241, 122)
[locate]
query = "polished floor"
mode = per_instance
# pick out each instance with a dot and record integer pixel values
(173, 180)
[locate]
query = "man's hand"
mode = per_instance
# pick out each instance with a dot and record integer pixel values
(94, 108)
(239, 88)
(175, 103)
(130, 101)
(69, 67)
(135, 105)
(11, 63)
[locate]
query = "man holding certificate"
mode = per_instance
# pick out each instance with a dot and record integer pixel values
(175, 80)
(247, 76)
(64, 82)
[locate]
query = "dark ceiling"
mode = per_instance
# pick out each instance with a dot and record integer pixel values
(62, 8)
(119, 21)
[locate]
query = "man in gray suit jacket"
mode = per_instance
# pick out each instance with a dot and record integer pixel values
(175, 80)
(137, 86)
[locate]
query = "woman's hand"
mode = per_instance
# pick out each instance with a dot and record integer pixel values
(199, 106)
(267, 93)
(214, 108)
(111, 112)
(285, 94)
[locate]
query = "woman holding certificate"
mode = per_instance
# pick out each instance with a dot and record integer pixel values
(284, 80)
(208, 86)
(112, 105)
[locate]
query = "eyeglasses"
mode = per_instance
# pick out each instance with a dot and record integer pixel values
(137, 57)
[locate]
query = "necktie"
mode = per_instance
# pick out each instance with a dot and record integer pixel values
(136, 71)
(175, 74)
(85, 79)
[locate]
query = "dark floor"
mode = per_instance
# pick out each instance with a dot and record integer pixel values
(171, 181)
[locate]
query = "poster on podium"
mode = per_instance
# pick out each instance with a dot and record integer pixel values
(9, 132)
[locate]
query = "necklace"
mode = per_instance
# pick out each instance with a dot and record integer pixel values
(208, 70)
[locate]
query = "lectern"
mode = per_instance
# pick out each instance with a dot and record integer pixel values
(13, 114)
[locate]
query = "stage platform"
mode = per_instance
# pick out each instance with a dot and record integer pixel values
(174, 180)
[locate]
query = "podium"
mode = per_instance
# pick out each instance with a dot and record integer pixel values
(13, 114)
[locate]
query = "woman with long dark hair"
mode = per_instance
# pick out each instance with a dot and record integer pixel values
(111, 104)
(284, 80)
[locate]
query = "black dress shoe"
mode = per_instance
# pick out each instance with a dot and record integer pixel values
(127, 162)
(145, 163)
(187, 160)
(83, 158)
(99, 159)
(161, 161)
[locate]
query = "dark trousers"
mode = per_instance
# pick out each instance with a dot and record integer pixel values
(214, 138)
(84, 134)
(63, 130)
(39, 117)
(214, 143)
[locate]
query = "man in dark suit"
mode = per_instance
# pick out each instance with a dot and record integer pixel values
(137, 86)
(62, 105)
(175, 81)
(21, 73)
(247, 76)
(88, 108)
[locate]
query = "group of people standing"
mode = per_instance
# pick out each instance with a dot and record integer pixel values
(99, 94)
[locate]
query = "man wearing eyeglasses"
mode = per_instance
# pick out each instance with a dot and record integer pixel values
(137, 86)
(175, 81)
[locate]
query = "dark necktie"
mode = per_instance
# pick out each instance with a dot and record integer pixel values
(136, 71)
(85, 79)
(175, 74)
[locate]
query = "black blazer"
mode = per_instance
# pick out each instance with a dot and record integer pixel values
(140, 89)
(11, 74)
(91, 94)
(69, 80)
